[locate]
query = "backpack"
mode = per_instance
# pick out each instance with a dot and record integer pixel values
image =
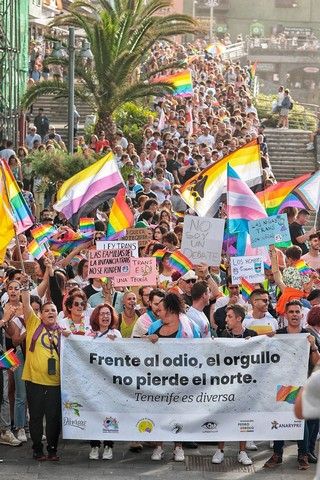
(291, 105)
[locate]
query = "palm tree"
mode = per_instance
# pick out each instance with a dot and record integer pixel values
(121, 36)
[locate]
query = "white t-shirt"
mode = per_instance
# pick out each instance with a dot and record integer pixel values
(200, 319)
(223, 301)
(262, 326)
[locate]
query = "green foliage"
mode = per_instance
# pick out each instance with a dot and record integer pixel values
(131, 118)
(127, 169)
(299, 117)
(58, 165)
(121, 35)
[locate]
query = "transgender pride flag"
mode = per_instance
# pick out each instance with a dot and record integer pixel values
(242, 206)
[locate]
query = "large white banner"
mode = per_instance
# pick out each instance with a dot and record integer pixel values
(181, 389)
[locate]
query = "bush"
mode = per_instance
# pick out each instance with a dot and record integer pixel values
(299, 117)
(131, 118)
(58, 165)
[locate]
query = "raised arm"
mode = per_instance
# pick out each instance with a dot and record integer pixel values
(25, 296)
(275, 268)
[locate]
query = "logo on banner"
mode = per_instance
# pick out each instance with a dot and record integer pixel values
(110, 425)
(145, 425)
(209, 427)
(73, 407)
(275, 425)
(246, 426)
(176, 427)
(74, 422)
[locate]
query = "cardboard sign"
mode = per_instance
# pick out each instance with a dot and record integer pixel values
(143, 272)
(109, 263)
(142, 235)
(250, 268)
(202, 239)
(268, 231)
(119, 244)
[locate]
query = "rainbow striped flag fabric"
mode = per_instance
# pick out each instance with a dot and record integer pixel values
(37, 250)
(181, 82)
(9, 359)
(303, 268)
(86, 226)
(216, 49)
(159, 254)
(19, 208)
(246, 289)
(287, 393)
(203, 191)
(42, 233)
(86, 190)
(180, 262)
(121, 216)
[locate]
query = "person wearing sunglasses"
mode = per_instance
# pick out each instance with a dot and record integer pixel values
(75, 321)
(260, 320)
(184, 285)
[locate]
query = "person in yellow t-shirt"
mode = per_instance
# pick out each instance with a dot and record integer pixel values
(42, 374)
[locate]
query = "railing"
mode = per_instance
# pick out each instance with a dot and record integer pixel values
(283, 46)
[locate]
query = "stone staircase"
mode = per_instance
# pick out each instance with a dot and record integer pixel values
(57, 113)
(288, 154)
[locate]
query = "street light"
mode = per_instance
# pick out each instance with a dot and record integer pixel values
(86, 54)
(194, 3)
(212, 4)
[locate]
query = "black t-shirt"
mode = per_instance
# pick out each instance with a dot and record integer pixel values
(246, 333)
(296, 230)
(157, 332)
(173, 165)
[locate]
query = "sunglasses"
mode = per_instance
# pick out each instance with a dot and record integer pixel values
(79, 304)
(191, 280)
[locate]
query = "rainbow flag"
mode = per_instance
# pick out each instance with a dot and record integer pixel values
(7, 231)
(159, 254)
(180, 81)
(180, 262)
(37, 250)
(287, 393)
(281, 195)
(303, 268)
(203, 191)
(86, 226)
(9, 359)
(19, 208)
(86, 190)
(42, 233)
(246, 289)
(121, 216)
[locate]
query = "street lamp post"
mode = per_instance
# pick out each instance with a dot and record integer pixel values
(212, 4)
(194, 3)
(71, 51)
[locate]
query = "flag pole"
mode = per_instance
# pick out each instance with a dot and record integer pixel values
(15, 232)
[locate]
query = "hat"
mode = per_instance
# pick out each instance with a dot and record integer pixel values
(190, 275)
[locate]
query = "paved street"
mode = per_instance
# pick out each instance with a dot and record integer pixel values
(74, 465)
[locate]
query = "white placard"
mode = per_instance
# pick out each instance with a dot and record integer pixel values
(250, 268)
(202, 239)
(119, 245)
(182, 389)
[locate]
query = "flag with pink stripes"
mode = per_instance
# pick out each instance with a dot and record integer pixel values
(242, 203)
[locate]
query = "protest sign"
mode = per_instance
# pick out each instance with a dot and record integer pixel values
(142, 235)
(143, 272)
(202, 239)
(107, 245)
(109, 263)
(270, 230)
(250, 268)
(221, 389)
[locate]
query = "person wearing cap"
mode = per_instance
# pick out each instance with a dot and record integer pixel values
(31, 137)
(183, 285)
(52, 130)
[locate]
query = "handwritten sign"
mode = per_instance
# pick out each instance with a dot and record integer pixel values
(142, 235)
(143, 272)
(202, 239)
(109, 263)
(268, 231)
(250, 268)
(119, 244)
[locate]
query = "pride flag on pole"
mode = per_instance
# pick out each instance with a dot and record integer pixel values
(203, 191)
(181, 82)
(121, 216)
(9, 359)
(86, 190)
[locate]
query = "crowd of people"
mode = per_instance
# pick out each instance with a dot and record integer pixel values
(60, 298)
